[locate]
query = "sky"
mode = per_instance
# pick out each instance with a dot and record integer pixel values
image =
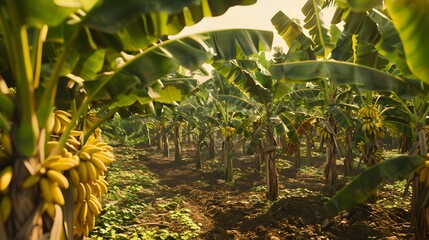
(256, 16)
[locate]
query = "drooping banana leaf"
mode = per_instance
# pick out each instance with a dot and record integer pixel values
(323, 44)
(343, 73)
(143, 69)
(258, 134)
(363, 5)
(340, 116)
(299, 44)
(176, 90)
(367, 182)
(161, 17)
(235, 103)
(390, 44)
(411, 18)
(244, 81)
(291, 130)
(42, 12)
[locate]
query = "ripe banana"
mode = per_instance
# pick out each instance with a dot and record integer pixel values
(83, 172)
(5, 177)
(94, 205)
(31, 180)
(105, 157)
(102, 186)
(57, 195)
(92, 171)
(58, 177)
(81, 192)
(45, 189)
(74, 175)
(83, 212)
(76, 211)
(6, 208)
(88, 191)
(7, 144)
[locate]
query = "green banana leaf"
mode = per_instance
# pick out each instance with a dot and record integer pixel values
(42, 12)
(244, 81)
(340, 116)
(143, 69)
(367, 182)
(160, 17)
(323, 44)
(390, 44)
(363, 5)
(343, 73)
(411, 18)
(299, 44)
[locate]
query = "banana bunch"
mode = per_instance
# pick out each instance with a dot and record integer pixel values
(373, 128)
(59, 121)
(228, 131)
(368, 111)
(324, 133)
(88, 183)
(361, 146)
(50, 177)
(378, 155)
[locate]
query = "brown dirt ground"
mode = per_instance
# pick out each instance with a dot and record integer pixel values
(240, 211)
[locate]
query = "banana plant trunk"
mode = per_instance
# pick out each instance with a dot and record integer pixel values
(177, 143)
(348, 160)
(330, 172)
(258, 158)
(199, 163)
(308, 145)
(271, 168)
(25, 221)
(420, 194)
(297, 158)
(212, 147)
(227, 152)
(166, 149)
(149, 139)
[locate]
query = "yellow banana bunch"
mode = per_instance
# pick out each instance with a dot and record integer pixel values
(59, 121)
(373, 128)
(361, 146)
(228, 131)
(85, 163)
(324, 133)
(87, 178)
(378, 155)
(368, 111)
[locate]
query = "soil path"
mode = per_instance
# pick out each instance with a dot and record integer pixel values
(240, 211)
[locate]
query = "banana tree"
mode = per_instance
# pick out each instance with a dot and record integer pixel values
(394, 39)
(79, 48)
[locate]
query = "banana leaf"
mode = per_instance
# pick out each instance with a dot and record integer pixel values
(343, 73)
(323, 44)
(411, 18)
(160, 17)
(363, 5)
(299, 44)
(367, 182)
(143, 69)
